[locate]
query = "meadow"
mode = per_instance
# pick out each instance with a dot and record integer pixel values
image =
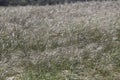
(76, 41)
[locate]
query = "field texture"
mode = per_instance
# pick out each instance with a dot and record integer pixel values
(79, 41)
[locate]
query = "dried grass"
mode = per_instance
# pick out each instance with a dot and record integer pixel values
(77, 41)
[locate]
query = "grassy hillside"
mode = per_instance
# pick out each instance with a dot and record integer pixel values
(79, 41)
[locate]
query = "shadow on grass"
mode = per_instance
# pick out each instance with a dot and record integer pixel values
(8, 3)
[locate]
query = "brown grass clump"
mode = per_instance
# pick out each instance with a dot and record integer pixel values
(79, 41)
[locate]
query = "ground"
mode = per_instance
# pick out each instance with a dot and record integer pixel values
(77, 41)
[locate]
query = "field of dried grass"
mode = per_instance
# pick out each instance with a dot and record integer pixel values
(79, 41)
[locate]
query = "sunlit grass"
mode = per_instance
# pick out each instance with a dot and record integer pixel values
(79, 41)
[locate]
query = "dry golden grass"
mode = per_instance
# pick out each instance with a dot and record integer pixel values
(77, 41)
